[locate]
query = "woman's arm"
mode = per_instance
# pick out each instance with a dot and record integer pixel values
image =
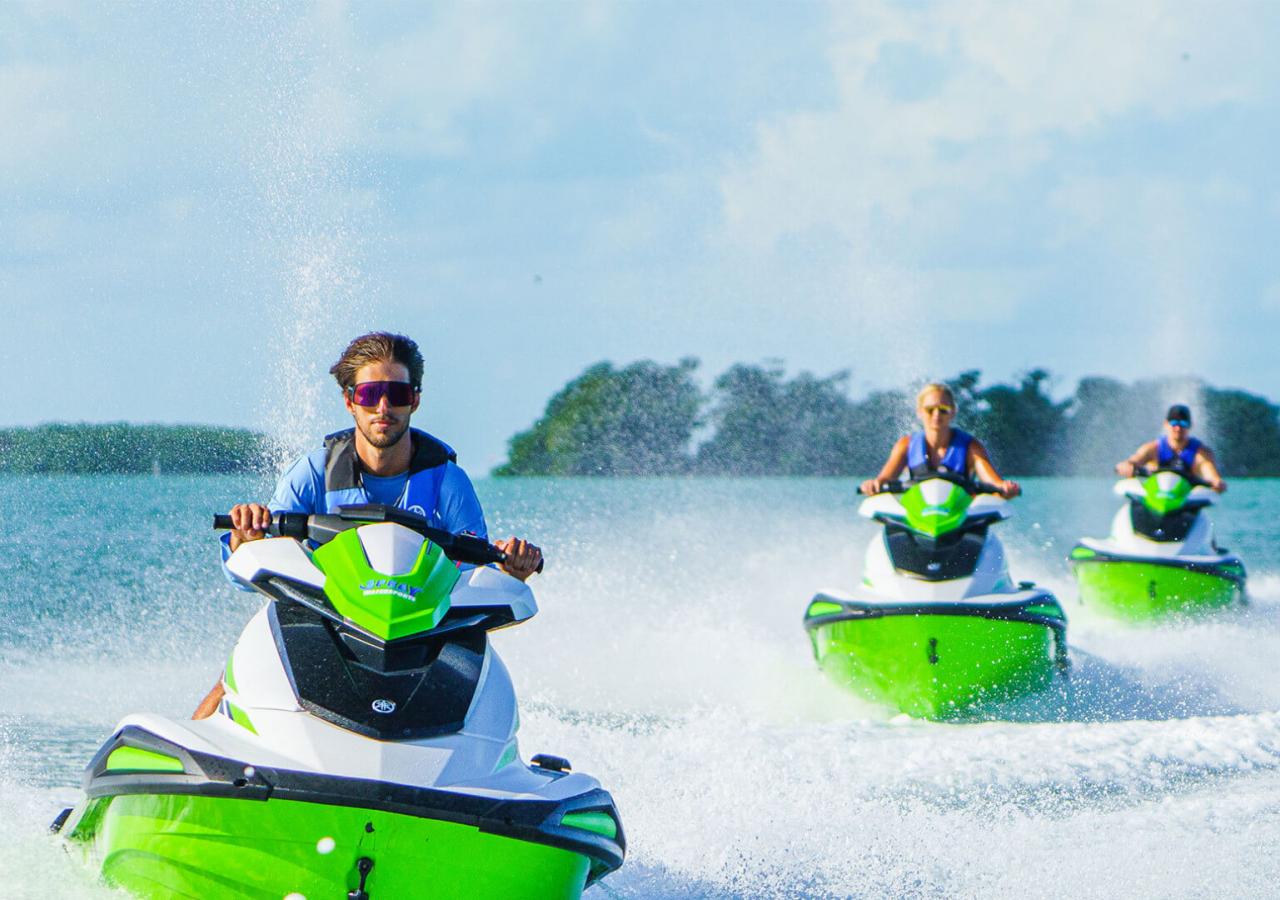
(980, 463)
(892, 468)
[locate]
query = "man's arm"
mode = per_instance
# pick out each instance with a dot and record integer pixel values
(1137, 459)
(300, 489)
(1206, 468)
(460, 511)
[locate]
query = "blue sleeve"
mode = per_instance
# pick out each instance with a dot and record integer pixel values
(300, 489)
(458, 505)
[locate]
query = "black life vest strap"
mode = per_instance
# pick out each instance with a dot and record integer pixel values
(342, 469)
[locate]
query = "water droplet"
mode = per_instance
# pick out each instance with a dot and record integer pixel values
(295, 896)
(325, 845)
(249, 772)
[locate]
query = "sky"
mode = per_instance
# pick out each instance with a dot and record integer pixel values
(200, 203)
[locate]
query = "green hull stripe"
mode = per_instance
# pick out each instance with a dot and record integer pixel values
(135, 759)
(932, 666)
(599, 822)
(165, 846)
(1140, 591)
(240, 717)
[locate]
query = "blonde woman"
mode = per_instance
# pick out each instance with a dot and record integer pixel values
(939, 448)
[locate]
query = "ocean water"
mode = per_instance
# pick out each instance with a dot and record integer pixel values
(668, 660)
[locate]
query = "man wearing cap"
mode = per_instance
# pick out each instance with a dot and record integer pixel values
(1176, 449)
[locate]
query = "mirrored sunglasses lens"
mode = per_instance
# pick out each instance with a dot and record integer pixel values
(399, 393)
(368, 393)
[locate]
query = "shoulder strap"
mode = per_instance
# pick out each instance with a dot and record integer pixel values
(342, 464)
(957, 457)
(917, 452)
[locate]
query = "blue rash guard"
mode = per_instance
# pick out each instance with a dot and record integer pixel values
(434, 486)
(956, 459)
(1184, 461)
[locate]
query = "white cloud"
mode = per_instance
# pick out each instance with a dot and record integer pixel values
(1014, 76)
(950, 121)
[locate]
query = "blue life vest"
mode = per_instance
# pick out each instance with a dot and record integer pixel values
(1184, 461)
(342, 473)
(955, 460)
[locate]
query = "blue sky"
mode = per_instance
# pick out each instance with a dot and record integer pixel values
(201, 203)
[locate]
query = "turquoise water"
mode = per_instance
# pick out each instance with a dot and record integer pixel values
(669, 661)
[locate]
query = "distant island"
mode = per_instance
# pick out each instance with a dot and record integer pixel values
(652, 419)
(124, 448)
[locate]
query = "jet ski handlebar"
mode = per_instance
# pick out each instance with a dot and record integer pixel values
(463, 548)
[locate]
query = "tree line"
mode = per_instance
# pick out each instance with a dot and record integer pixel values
(652, 419)
(123, 448)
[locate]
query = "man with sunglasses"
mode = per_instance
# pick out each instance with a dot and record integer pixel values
(380, 460)
(1176, 449)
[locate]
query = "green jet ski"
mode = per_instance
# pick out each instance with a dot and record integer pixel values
(366, 745)
(1161, 559)
(938, 625)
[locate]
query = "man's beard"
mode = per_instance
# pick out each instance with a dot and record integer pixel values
(383, 441)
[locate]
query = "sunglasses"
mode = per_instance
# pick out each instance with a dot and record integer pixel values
(945, 410)
(1180, 423)
(370, 393)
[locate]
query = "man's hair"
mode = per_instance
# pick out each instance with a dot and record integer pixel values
(377, 346)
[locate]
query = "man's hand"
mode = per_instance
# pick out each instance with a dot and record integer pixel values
(871, 486)
(1218, 485)
(249, 521)
(1009, 489)
(523, 558)
(1126, 469)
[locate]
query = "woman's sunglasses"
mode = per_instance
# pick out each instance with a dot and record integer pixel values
(370, 393)
(945, 410)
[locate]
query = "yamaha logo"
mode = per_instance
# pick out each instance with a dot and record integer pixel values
(384, 706)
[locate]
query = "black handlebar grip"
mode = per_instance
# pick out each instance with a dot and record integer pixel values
(222, 521)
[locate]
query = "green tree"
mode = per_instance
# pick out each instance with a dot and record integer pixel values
(1244, 430)
(638, 420)
(1021, 426)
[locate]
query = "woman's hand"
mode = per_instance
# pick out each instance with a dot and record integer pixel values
(1126, 469)
(871, 486)
(1009, 489)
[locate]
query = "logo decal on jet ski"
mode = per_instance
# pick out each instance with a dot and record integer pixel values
(387, 586)
(384, 706)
